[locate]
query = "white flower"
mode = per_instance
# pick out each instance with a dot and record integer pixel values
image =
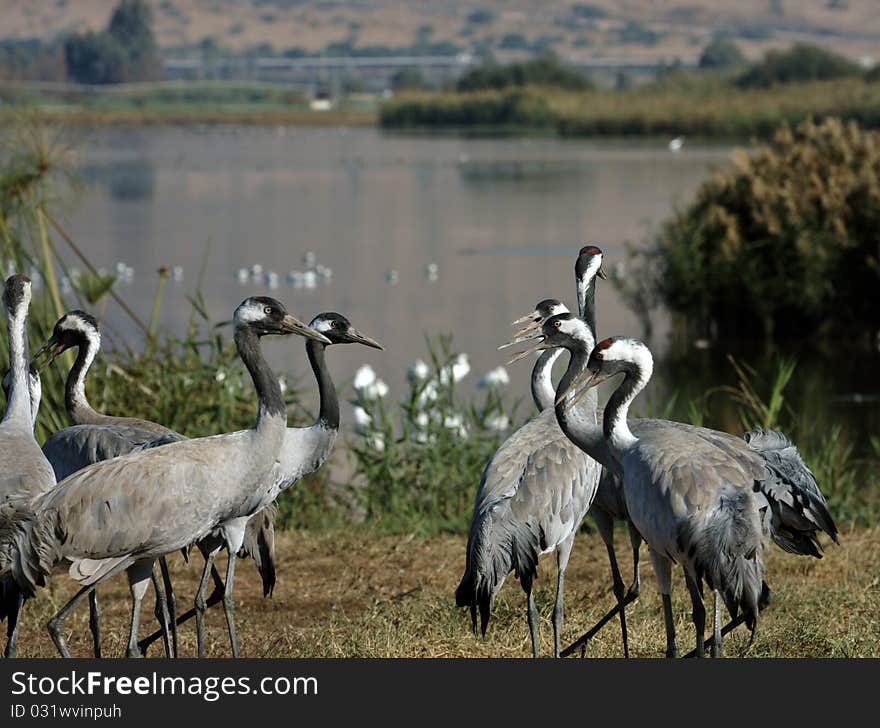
(498, 377)
(455, 422)
(421, 420)
(362, 420)
(418, 371)
(220, 376)
(427, 395)
(364, 377)
(458, 369)
(499, 423)
(282, 382)
(377, 442)
(377, 389)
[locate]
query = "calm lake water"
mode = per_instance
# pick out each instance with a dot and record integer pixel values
(501, 219)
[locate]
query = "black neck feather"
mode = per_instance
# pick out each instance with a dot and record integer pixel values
(328, 416)
(265, 381)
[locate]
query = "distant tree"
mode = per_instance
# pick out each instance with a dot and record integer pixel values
(722, 53)
(95, 58)
(481, 16)
(131, 25)
(125, 51)
(407, 79)
(799, 63)
(591, 12)
(31, 59)
(539, 72)
(514, 42)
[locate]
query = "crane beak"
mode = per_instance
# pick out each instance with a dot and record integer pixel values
(586, 378)
(356, 337)
(541, 345)
(527, 318)
(292, 325)
(521, 336)
(54, 349)
(602, 274)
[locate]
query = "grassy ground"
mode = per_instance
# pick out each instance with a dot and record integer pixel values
(355, 594)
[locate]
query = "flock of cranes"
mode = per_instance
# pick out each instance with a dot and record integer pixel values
(703, 499)
(111, 494)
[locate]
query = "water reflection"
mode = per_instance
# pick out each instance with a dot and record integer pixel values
(501, 219)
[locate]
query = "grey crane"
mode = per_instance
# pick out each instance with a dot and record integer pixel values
(123, 513)
(608, 504)
(304, 449)
(24, 471)
(94, 437)
(785, 503)
(531, 499)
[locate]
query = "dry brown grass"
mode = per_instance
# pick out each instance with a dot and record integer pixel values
(356, 594)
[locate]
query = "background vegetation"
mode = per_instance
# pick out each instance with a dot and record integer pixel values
(784, 242)
(414, 465)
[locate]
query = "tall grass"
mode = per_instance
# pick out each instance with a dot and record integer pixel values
(695, 109)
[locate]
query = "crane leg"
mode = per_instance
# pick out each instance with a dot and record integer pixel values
(698, 614)
(139, 575)
(229, 603)
(161, 611)
(16, 603)
(635, 539)
(763, 602)
(717, 650)
(56, 623)
(563, 551)
(171, 601)
(200, 605)
(95, 621)
(215, 597)
(663, 572)
(531, 613)
(605, 525)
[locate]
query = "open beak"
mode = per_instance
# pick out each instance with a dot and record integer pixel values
(519, 337)
(53, 348)
(586, 378)
(525, 319)
(540, 346)
(356, 337)
(292, 325)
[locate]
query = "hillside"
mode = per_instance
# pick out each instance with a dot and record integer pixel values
(647, 30)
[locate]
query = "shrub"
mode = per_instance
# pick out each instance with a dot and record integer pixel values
(538, 72)
(785, 241)
(722, 53)
(801, 62)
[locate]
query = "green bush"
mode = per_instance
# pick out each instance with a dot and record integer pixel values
(538, 72)
(721, 53)
(418, 465)
(801, 62)
(784, 242)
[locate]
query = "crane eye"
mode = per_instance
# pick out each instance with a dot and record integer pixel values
(267, 310)
(557, 324)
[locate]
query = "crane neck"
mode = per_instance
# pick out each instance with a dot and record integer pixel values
(75, 401)
(543, 393)
(328, 415)
(586, 293)
(615, 426)
(272, 408)
(18, 406)
(578, 421)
